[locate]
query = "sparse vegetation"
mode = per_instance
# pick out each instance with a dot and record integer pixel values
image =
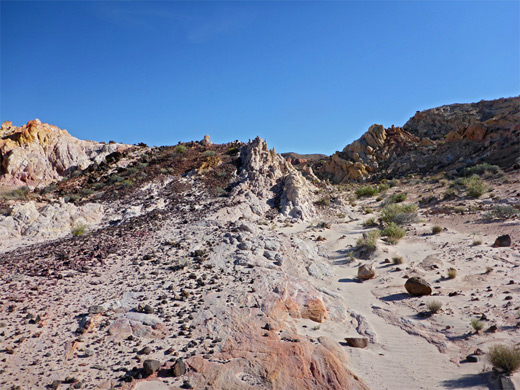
(79, 230)
(434, 306)
(383, 187)
(474, 186)
(504, 358)
(180, 149)
(436, 229)
(452, 273)
(325, 201)
(370, 222)
(366, 191)
(476, 242)
(17, 194)
(397, 260)
(393, 233)
(368, 243)
(398, 197)
(399, 213)
(502, 212)
(209, 153)
(482, 169)
(477, 325)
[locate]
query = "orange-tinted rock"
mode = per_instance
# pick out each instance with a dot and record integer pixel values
(315, 310)
(255, 361)
(475, 132)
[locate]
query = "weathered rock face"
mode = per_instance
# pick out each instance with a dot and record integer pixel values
(447, 137)
(38, 153)
(268, 180)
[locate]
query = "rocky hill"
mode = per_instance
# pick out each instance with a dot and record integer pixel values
(212, 266)
(446, 138)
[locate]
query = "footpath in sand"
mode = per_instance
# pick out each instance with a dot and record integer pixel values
(407, 350)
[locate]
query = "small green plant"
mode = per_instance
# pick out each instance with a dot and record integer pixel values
(398, 197)
(502, 212)
(71, 198)
(504, 358)
(397, 260)
(368, 210)
(474, 186)
(436, 229)
(482, 169)
(325, 201)
(232, 150)
(180, 149)
(17, 194)
(444, 182)
(477, 325)
(399, 213)
(476, 242)
(209, 153)
(79, 230)
(393, 182)
(393, 233)
(434, 306)
(383, 187)
(366, 191)
(452, 273)
(368, 243)
(370, 222)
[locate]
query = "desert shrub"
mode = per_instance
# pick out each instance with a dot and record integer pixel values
(232, 150)
(444, 182)
(473, 185)
(48, 189)
(383, 187)
(87, 191)
(434, 306)
(393, 233)
(398, 197)
(209, 153)
(397, 260)
(477, 325)
(393, 182)
(504, 358)
(71, 198)
(325, 201)
(368, 243)
(127, 183)
(482, 169)
(115, 179)
(476, 242)
(436, 229)
(79, 230)
(399, 213)
(452, 273)
(502, 212)
(341, 215)
(366, 191)
(379, 198)
(142, 165)
(19, 193)
(368, 210)
(370, 222)
(180, 149)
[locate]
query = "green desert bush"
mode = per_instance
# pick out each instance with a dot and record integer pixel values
(436, 229)
(180, 149)
(434, 306)
(393, 233)
(502, 212)
(370, 222)
(209, 153)
(399, 213)
(79, 230)
(383, 187)
(477, 325)
(398, 197)
(368, 243)
(366, 191)
(474, 186)
(504, 358)
(483, 169)
(17, 194)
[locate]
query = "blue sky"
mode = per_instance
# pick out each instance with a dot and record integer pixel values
(309, 77)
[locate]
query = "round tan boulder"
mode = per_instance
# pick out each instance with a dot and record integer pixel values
(418, 286)
(366, 271)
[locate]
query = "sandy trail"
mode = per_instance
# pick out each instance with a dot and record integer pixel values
(395, 359)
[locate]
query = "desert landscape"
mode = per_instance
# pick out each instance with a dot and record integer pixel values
(393, 264)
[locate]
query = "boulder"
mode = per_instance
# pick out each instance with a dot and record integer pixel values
(315, 310)
(357, 342)
(366, 271)
(503, 241)
(179, 368)
(150, 366)
(418, 286)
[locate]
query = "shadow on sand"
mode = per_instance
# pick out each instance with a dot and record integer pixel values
(396, 297)
(467, 381)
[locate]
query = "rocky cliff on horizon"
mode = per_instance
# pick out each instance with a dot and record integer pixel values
(445, 138)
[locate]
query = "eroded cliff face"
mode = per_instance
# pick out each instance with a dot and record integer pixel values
(38, 153)
(443, 138)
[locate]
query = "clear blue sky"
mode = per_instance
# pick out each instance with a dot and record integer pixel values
(309, 77)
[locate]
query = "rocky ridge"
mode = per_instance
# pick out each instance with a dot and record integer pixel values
(38, 153)
(445, 138)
